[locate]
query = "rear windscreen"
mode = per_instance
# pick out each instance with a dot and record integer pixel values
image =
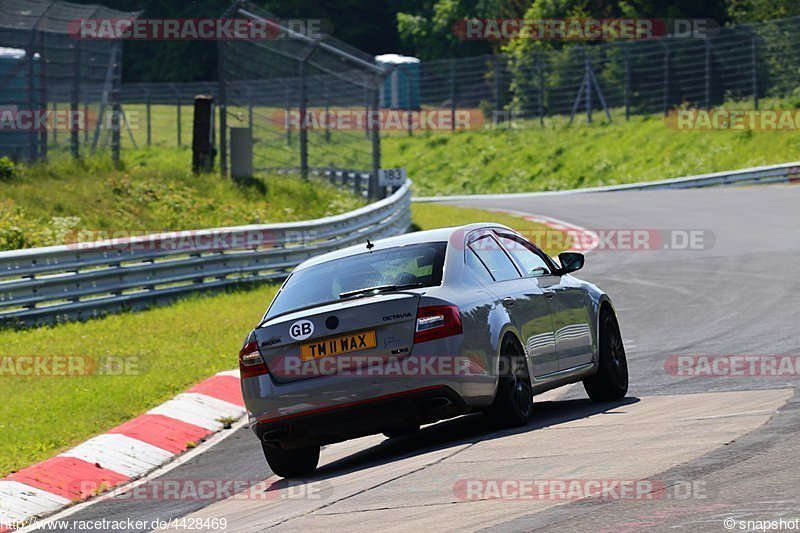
(403, 266)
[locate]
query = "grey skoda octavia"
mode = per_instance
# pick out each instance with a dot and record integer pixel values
(383, 337)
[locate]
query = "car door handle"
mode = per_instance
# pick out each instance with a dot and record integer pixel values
(508, 301)
(549, 294)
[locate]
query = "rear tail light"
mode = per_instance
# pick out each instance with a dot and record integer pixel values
(250, 362)
(436, 322)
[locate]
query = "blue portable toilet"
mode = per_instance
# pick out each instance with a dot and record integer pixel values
(14, 97)
(400, 90)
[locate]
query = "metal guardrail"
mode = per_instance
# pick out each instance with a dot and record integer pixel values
(357, 181)
(84, 280)
(781, 173)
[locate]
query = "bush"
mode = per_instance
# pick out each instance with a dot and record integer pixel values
(6, 168)
(16, 229)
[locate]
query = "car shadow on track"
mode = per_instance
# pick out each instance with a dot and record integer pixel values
(450, 433)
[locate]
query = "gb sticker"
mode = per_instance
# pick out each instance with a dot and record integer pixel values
(301, 330)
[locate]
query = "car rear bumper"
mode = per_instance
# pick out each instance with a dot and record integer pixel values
(279, 409)
(358, 418)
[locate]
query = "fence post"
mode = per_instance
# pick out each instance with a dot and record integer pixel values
(375, 192)
(497, 104)
(627, 56)
(55, 130)
(588, 84)
(250, 108)
(222, 104)
(666, 81)
(301, 71)
(42, 93)
(452, 95)
(327, 114)
(147, 108)
(367, 108)
(754, 68)
(541, 88)
(85, 125)
(288, 121)
(29, 63)
(410, 104)
(116, 108)
(74, 139)
(708, 72)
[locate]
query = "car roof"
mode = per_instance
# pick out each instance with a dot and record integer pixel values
(416, 237)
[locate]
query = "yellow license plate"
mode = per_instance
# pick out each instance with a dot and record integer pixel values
(338, 345)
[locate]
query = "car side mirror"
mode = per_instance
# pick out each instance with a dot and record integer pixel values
(570, 262)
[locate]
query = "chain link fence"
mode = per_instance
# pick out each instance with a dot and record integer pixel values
(269, 84)
(747, 62)
(57, 90)
(276, 87)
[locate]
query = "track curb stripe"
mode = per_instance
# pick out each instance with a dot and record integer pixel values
(124, 453)
(226, 388)
(167, 433)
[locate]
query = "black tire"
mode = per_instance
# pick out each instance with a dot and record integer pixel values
(611, 381)
(401, 431)
(513, 402)
(291, 463)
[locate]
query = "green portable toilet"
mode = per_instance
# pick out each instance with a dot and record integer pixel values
(14, 97)
(400, 90)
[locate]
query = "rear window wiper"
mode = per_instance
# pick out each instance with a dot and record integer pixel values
(376, 289)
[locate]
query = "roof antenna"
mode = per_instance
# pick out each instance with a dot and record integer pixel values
(370, 246)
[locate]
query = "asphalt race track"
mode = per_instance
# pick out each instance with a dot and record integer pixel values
(717, 446)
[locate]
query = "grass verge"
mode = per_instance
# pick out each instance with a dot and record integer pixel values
(49, 203)
(525, 157)
(558, 156)
(168, 348)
